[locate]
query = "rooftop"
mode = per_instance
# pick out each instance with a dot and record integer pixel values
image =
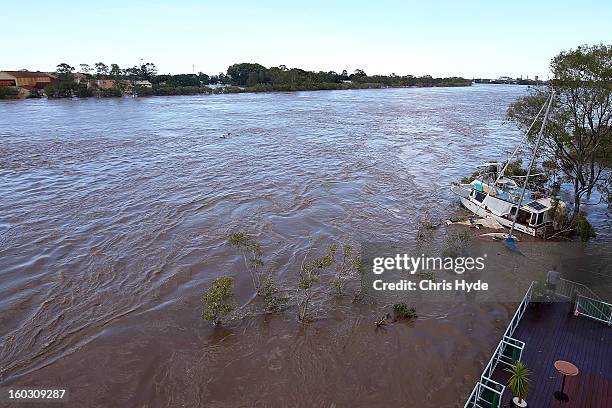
(28, 74)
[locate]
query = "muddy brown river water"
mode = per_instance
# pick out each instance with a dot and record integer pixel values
(114, 217)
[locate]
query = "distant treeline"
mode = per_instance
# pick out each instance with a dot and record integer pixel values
(143, 80)
(256, 77)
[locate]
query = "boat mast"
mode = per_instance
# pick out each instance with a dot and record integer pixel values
(516, 149)
(533, 157)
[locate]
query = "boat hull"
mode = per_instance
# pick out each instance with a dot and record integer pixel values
(477, 209)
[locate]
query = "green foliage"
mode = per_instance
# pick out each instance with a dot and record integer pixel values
(264, 285)
(243, 77)
(350, 264)
(147, 70)
(311, 270)
(204, 79)
(310, 273)
(61, 89)
(519, 380)
(113, 92)
(101, 70)
(64, 71)
(403, 311)
(140, 90)
(577, 139)
(515, 169)
(558, 214)
(252, 253)
(584, 228)
(257, 78)
(115, 71)
(217, 300)
(8, 92)
(246, 74)
(82, 90)
(469, 179)
(165, 90)
(273, 301)
(182, 80)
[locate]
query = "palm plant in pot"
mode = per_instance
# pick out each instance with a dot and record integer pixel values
(519, 383)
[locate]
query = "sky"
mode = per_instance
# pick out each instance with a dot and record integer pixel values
(472, 39)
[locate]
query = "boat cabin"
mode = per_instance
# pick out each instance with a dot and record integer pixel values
(501, 202)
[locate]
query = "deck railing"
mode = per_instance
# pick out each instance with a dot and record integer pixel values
(593, 309)
(488, 393)
(568, 289)
(586, 302)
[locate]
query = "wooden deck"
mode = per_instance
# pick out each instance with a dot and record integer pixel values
(551, 333)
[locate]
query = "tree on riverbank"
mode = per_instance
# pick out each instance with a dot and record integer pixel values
(578, 135)
(243, 77)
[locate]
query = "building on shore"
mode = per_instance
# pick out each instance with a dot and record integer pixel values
(26, 81)
(144, 83)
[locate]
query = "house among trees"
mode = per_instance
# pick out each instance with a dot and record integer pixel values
(26, 81)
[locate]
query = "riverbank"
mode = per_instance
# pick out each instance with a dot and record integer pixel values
(144, 80)
(142, 91)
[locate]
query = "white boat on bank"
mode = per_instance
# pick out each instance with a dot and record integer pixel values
(494, 195)
(500, 201)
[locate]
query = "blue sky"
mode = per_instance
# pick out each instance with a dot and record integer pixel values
(441, 38)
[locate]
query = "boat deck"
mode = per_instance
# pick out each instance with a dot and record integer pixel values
(551, 333)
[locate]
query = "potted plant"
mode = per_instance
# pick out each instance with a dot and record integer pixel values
(519, 383)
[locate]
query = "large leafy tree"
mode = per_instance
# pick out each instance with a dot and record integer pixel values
(247, 74)
(147, 70)
(578, 135)
(115, 71)
(64, 71)
(101, 69)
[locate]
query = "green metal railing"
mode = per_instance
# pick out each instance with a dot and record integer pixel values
(586, 302)
(593, 309)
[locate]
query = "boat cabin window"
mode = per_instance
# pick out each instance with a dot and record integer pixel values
(512, 211)
(523, 217)
(536, 219)
(479, 196)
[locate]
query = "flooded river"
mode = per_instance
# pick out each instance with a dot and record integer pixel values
(114, 218)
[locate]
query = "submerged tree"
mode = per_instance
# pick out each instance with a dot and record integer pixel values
(264, 284)
(350, 264)
(578, 134)
(217, 300)
(251, 252)
(273, 300)
(310, 274)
